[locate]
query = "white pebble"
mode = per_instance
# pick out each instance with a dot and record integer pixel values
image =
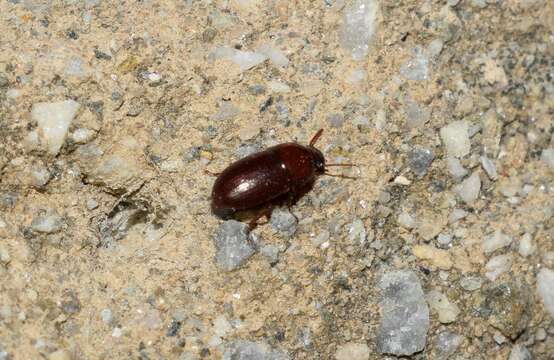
(457, 214)
(406, 220)
(455, 137)
(455, 168)
(527, 245)
(82, 135)
(498, 265)
(545, 289)
(447, 311)
(53, 121)
(520, 353)
(352, 351)
(495, 241)
(547, 157)
(278, 87)
(106, 316)
(274, 55)
(469, 189)
(49, 223)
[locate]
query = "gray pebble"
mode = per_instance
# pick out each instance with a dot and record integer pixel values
(256, 89)
(471, 283)
(106, 316)
(47, 223)
(244, 150)
(271, 253)
(248, 350)
(419, 161)
(283, 221)
(91, 204)
(404, 314)
(335, 120)
(447, 343)
(232, 244)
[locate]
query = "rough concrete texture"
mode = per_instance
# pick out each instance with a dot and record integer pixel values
(110, 111)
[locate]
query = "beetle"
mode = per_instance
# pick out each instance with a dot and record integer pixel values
(253, 186)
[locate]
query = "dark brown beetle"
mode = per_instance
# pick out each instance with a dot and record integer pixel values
(254, 185)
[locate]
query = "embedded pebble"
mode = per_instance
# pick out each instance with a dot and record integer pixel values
(82, 135)
(471, 283)
(498, 265)
(446, 310)
(417, 67)
(547, 157)
(404, 314)
(106, 316)
(356, 232)
(352, 351)
(455, 137)
(520, 353)
(47, 223)
(274, 55)
(447, 343)
(545, 289)
(358, 26)
(444, 239)
(406, 220)
(53, 120)
(419, 160)
(244, 59)
(468, 190)
(456, 215)
(283, 221)
(248, 350)
(436, 257)
(506, 307)
(455, 168)
(226, 111)
(527, 245)
(495, 241)
(39, 175)
(489, 167)
(232, 244)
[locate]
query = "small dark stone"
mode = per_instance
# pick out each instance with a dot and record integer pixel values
(101, 55)
(267, 103)
(174, 328)
(419, 161)
(209, 34)
(72, 34)
(8, 199)
(70, 304)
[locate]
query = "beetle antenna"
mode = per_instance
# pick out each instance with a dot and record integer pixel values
(316, 137)
(341, 165)
(341, 176)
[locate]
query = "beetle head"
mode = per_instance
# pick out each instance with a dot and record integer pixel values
(318, 161)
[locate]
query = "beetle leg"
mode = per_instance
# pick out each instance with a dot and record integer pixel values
(265, 211)
(206, 171)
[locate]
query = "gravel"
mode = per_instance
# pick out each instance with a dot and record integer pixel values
(48, 223)
(419, 161)
(233, 246)
(455, 137)
(53, 120)
(404, 313)
(283, 221)
(468, 190)
(545, 289)
(358, 26)
(247, 350)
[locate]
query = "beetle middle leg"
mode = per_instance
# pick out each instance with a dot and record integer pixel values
(264, 211)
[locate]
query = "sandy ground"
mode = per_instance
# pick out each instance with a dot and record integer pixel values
(128, 269)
